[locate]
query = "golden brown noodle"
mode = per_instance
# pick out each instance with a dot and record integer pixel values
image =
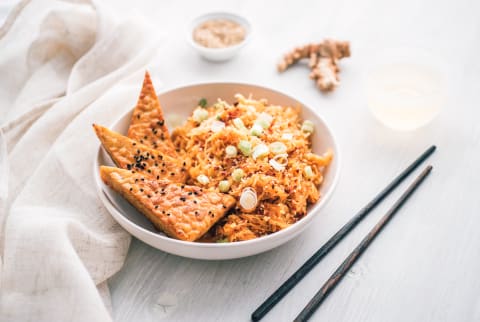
(283, 196)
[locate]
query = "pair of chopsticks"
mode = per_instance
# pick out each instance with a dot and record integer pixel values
(340, 272)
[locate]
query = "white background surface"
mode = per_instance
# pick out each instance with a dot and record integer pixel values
(424, 266)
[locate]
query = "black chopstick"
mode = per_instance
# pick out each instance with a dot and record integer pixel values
(358, 251)
(270, 302)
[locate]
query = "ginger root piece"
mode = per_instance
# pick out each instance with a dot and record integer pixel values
(148, 123)
(323, 59)
(180, 211)
(132, 155)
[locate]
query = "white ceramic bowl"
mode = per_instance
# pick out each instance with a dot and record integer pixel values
(218, 54)
(182, 101)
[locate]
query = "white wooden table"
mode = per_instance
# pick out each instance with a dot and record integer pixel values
(425, 265)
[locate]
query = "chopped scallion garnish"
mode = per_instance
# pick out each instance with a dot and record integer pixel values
(237, 175)
(245, 147)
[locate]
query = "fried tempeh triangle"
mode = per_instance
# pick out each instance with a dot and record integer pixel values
(181, 211)
(148, 123)
(129, 154)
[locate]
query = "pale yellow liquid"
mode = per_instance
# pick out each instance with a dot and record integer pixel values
(405, 96)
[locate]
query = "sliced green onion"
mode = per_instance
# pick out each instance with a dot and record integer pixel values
(248, 199)
(307, 126)
(256, 130)
(308, 172)
(224, 185)
(231, 151)
(203, 179)
(218, 117)
(264, 120)
(277, 166)
(245, 147)
(287, 136)
(278, 148)
(239, 124)
(264, 124)
(259, 151)
(224, 240)
(281, 159)
(217, 126)
(200, 115)
(202, 102)
(237, 175)
(218, 105)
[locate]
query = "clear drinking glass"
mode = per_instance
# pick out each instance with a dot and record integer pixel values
(406, 88)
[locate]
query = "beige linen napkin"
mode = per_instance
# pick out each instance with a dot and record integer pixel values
(63, 65)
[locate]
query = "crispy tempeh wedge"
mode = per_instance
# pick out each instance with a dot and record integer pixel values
(129, 154)
(181, 211)
(148, 123)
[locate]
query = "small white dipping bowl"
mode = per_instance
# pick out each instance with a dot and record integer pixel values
(218, 54)
(181, 101)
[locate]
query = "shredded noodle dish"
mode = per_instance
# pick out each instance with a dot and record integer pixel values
(258, 153)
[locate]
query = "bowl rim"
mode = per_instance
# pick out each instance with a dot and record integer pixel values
(239, 244)
(244, 22)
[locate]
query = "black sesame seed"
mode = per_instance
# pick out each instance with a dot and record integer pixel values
(149, 171)
(156, 206)
(131, 189)
(172, 174)
(141, 189)
(183, 199)
(138, 116)
(158, 177)
(134, 143)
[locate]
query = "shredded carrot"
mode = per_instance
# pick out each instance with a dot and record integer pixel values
(283, 195)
